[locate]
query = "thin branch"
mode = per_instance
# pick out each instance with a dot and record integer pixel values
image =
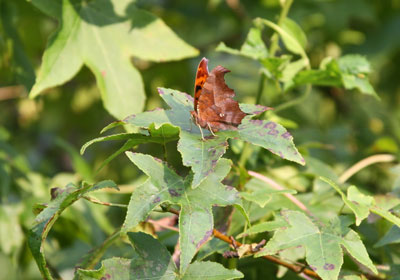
(96, 201)
(276, 186)
(295, 268)
(154, 222)
(274, 40)
(364, 163)
(12, 92)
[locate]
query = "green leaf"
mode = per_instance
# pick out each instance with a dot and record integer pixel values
(260, 193)
(327, 75)
(210, 271)
(391, 237)
(349, 71)
(162, 135)
(164, 185)
(253, 47)
(11, 235)
(292, 43)
(202, 156)
(271, 136)
(21, 66)
(78, 162)
(262, 197)
(103, 35)
(153, 261)
(46, 219)
(292, 28)
(355, 200)
(362, 204)
(323, 244)
(263, 227)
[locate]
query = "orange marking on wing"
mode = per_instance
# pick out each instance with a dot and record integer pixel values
(201, 77)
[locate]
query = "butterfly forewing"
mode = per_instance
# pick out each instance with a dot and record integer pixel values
(201, 77)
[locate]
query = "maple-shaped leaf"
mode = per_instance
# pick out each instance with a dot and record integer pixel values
(361, 205)
(153, 261)
(49, 215)
(196, 217)
(104, 35)
(203, 155)
(323, 244)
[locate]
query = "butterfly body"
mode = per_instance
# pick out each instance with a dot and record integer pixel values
(214, 106)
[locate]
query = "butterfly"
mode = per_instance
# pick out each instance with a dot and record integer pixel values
(214, 106)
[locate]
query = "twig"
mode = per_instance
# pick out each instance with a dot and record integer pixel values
(364, 163)
(274, 40)
(96, 201)
(223, 237)
(12, 92)
(276, 186)
(154, 222)
(295, 268)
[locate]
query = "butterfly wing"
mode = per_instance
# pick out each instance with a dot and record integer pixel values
(201, 77)
(216, 105)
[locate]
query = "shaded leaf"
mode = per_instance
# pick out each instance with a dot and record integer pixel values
(391, 237)
(153, 261)
(263, 227)
(48, 216)
(292, 28)
(210, 270)
(292, 43)
(262, 197)
(355, 200)
(253, 46)
(164, 185)
(349, 71)
(322, 243)
(362, 204)
(103, 35)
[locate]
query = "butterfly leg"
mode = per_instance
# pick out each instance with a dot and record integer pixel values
(209, 127)
(201, 131)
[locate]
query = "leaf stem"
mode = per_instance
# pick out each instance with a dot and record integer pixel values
(96, 201)
(90, 259)
(296, 268)
(260, 88)
(276, 186)
(364, 163)
(295, 101)
(274, 39)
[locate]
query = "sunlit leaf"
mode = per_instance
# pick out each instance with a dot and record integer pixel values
(323, 244)
(202, 155)
(103, 35)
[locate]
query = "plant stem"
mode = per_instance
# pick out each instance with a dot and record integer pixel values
(364, 163)
(89, 260)
(260, 88)
(295, 101)
(96, 201)
(274, 39)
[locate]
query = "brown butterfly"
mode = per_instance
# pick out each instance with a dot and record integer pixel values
(214, 106)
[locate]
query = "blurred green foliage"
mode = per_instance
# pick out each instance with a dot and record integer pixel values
(334, 127)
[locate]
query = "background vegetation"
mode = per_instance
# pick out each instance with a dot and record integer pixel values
(333, 127)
